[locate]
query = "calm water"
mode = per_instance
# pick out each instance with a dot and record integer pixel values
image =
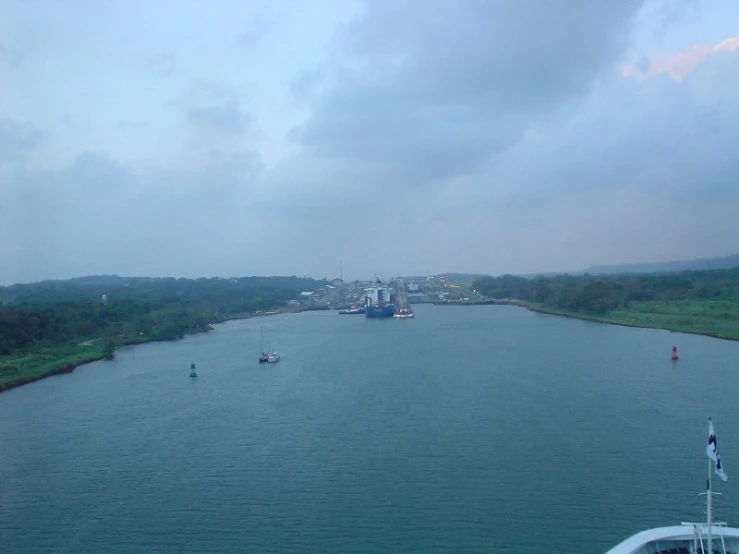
(484, 429)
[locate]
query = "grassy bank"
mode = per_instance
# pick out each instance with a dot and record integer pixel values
(718, 319)
(489, 302)
(27, 367)
(698, 302)
(51, 327)
(21, 368)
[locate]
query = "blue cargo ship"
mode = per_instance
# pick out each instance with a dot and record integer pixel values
(377, 302)
(386, 310)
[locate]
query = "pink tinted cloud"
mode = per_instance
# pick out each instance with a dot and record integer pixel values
(682, 64)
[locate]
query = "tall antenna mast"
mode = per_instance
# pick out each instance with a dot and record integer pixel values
(341, 271)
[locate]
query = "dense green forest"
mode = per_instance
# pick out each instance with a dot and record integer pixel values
(704, 302)
(601, 294)
(58, 313)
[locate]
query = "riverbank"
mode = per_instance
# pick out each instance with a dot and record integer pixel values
(487, 302)
(27, 367)
(20, 369)
(681, 317)
(717, 319)
(23, 368)
(710, 318)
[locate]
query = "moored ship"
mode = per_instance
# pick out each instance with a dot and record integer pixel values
(403, 310)
(377, 301)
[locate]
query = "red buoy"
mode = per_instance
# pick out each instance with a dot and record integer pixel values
(674, 353)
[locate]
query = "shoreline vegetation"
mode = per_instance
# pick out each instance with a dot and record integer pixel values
(697, 302)
(48, 362)
(662, 321)
(673, 322)
(53, 327)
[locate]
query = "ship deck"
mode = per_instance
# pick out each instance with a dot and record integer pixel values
(680, 539)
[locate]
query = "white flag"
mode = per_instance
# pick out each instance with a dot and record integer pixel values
(712, 451)
(712, 448)
(720, 469)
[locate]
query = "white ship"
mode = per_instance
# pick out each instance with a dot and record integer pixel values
(689, 538)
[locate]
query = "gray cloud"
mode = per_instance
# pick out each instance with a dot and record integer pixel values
(17, 139)
(258, 26)
(134, 124)
(163, 65)
(666, 13)
(659, 137)
(306, 84)
(580, 164)
(100, 215)
(434, 89)
(206, 92)
(227, 118)
(468, 136)
(10, 56)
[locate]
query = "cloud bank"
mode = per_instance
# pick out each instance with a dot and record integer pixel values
(391, 136)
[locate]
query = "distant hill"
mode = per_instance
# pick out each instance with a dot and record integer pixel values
(544, 275)
(91, 288)
(726, 262)
(456, 276)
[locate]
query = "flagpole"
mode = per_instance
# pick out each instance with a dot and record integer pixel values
(710, 514)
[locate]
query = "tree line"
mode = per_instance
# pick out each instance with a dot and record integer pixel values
(601, 294)
(53, 313)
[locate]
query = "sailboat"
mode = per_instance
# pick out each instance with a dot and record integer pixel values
(273, 356)
(263, 356)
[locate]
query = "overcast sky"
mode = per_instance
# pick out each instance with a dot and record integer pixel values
(215, 138)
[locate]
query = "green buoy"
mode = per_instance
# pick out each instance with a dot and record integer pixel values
(192, 370)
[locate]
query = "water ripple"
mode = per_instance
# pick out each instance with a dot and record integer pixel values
(469, 430)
